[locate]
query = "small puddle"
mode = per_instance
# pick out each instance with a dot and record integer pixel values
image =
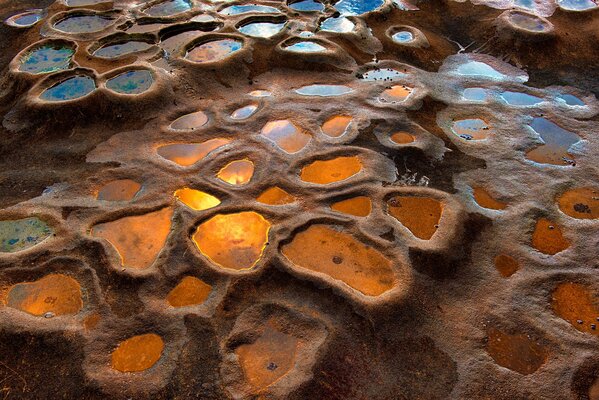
(576, 304)
(357, 7)
(169, 8)
(337, 125)
(233, 241)
(286, 135)
(261, 29)
(244, 112)
(116, 50)
(238, 172)
(402, 137)
(570, 100)
(360, 206)
(323, 172)
(52, 295)
(577, 5)
(485, 200)
(190, 122)
(187, 154)
(324, 90)
(548, 238)
(557, 142)
(526, 4)
(83, 24)
(471, 129)
(520, 99)
(260, 93)
(269, 358)
(214, 50)
(190, 291)
(506, 265)
(25, 20)
(69, 89)
(581, 203)
(396, 94)
(403, 37)
(382, 75)
(421, 215)
(203, 18)
(249, 8)
(47, 58)
(479, 69)
(131, 82)
(517, 352)
(528, 22)
(137, 353)
(305, 47)
(275, 196)
(22, 234)
(137, 239)
(119, 190)
(307, 5)
(340, 256)
(337, 25)
(475, 94)
(196, 199)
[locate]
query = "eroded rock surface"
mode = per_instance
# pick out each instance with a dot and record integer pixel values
(313, 199)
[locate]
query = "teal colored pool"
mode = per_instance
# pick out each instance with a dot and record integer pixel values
(21, 234)
(69, 89)
(131, 82)
(47, 58)
(121, 49)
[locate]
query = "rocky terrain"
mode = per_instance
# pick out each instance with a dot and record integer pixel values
(353, 199)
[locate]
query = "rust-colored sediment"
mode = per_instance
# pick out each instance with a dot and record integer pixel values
(325, 250)
(506, 265)
(137, 239)
(518, 352)
(190, 291)
(581, 203)
(55, 294)
(484, 199)
(548, 237)
(233, 241)
(275, 196)
(324, 172)
(137, 353)
(576, 304)
(269, 358)
(420, 215)
(360, 206)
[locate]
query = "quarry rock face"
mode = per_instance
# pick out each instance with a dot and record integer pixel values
(374, 199)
